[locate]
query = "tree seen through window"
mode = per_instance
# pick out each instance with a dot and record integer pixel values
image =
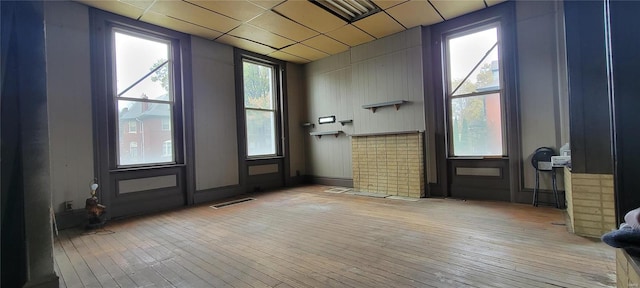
(260, 110)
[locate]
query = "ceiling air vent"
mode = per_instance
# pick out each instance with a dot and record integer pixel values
(348, 10)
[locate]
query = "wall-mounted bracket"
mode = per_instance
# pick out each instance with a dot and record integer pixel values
(343, 122)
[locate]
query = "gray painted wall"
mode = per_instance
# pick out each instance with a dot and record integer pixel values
(69, 102)
(390, 69)
(384, 70)
(70, 108)
(216, 141)
(329, 92)
(543, 85)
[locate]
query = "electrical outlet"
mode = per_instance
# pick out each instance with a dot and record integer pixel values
(68, 205)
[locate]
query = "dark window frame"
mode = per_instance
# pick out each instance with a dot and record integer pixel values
(104, 65)
(280, 95)
(432, 37)
(105, 163)
(446, 75)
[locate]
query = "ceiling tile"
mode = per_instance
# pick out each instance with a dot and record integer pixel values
(350, 35)
(415, 13)
(142, 4)
(245, 44)
(275, 23)
(494, 2)
(379, 25)
(288, 57)
(115, 6)
(326, 44)
(239, 9)
(194, 14)
(385, 4)
(310, 15)
(267, 4)
(179, 25)
(451, 9)
(304, 51)
(265, 37)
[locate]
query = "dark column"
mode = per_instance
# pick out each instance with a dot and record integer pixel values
(13, 251)
(590, 118)
(25, 127)
(625, 44)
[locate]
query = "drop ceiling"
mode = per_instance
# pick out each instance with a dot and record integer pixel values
(292, 30)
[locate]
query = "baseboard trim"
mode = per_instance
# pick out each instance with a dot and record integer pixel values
(342, 182)
(71, 219)
(433, 190)
(545, 197)
(297, 181)
(47, 281)
(214, 194)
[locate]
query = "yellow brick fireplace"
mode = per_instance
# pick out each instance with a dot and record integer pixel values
(391, 164)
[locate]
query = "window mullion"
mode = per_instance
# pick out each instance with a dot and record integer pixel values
(170, 102)
(260, 109)
(475, 94)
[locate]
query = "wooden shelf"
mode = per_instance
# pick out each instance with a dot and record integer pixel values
(308, 125)
(320, 134)
(342, 122)
(375, 106)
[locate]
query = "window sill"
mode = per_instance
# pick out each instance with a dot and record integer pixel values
(148, 167)
(264, 158)
(477, 158)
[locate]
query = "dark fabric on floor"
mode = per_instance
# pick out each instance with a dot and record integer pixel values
(626, 237)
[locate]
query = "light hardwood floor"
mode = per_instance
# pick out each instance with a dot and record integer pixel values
(305, 237)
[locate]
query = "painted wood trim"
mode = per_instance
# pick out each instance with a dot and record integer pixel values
(282, 121)
(505, 13)
(103, 110)
(214, 194)
(343, 182)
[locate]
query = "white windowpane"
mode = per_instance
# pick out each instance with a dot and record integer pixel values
(167, 148)
(476, 125)
(151, 143)
(258, 86)
(261, 134)
(467, 51)
(135, 58)
(260, 108)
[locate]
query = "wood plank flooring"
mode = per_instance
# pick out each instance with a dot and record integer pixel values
(305, 237)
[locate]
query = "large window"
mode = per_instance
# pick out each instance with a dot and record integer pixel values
(474, 92)
(261, 108)
(143, 98)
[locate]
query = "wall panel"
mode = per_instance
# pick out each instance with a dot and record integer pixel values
(540, 61)
(380, 71)
(69, 102)
(214, 115)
